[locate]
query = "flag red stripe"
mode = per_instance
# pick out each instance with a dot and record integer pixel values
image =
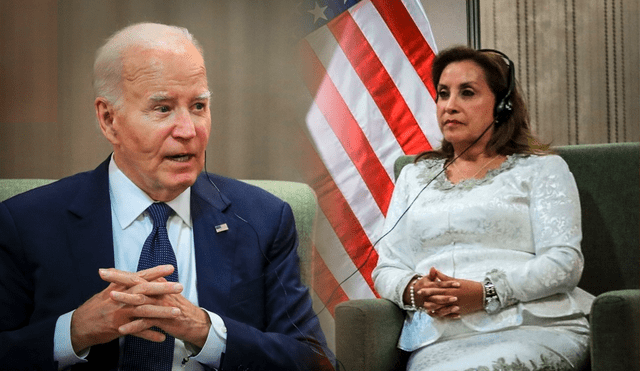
(340, 216)
(379, 83)
(325, 284)
(346, 128)
(411, 40)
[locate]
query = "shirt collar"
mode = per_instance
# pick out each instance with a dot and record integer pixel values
(128, 201)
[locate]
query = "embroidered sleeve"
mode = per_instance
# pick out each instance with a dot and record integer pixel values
(503, 288)
(555, 219)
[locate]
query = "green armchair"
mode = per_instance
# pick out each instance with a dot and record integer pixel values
(608, 181)
(299, 195)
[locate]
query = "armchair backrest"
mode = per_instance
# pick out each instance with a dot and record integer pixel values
(608, 182)
(299, 196)
(304, 205)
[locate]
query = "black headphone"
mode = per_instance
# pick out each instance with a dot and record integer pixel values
(504, 106)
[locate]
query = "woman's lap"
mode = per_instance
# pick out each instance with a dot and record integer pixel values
(563, 346)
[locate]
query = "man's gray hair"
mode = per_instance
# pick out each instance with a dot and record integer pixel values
(107, 68)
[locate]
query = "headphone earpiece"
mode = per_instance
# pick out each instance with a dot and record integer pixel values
(504, 105)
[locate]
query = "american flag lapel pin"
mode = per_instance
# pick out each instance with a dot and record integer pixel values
(222, 227)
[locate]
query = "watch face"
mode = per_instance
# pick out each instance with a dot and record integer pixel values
(492, 303)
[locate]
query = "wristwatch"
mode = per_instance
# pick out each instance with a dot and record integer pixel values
(491, 300)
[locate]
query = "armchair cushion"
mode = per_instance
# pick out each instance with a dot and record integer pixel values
(368, 331)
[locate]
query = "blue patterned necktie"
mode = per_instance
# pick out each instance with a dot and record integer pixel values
(138, 353)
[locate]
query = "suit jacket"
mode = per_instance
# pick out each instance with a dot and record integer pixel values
(54, 239)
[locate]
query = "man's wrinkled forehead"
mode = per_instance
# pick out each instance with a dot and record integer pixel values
(139, 61)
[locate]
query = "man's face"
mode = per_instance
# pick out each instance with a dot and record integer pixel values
(161, 128)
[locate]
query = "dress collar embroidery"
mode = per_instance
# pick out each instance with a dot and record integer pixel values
(431, 167)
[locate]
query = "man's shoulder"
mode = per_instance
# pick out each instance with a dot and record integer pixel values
(59, 192)
(233, 189)
(43, 188)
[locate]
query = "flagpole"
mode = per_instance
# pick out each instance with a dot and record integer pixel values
(473, 24)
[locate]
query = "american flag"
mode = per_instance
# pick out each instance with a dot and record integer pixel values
(367, 65)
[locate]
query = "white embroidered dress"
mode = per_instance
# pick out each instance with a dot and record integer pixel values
(519, 226)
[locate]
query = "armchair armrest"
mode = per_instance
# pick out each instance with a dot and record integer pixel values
(367, 333)
(615, 331)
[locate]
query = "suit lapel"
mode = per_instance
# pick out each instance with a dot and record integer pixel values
(90, 239)
(89, 231)
(213, 248)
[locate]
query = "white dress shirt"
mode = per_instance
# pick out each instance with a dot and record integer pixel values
(131, 226)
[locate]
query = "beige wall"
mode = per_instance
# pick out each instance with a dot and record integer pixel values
(47, 124)
(448, 20)
(29, 131)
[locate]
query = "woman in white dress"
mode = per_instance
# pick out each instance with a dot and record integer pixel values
(481, 242)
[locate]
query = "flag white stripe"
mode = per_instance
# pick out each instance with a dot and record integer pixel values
(419, 17)
(355, 94)
(414, 92)
(344, 174)
(339, 262)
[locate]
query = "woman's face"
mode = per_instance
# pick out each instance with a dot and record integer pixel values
(465, 104)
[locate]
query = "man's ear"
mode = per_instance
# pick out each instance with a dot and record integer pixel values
(105, 112)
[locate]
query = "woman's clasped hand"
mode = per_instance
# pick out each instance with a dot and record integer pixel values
(446, 297)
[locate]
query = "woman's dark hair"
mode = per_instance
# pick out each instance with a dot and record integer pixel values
(511, 135)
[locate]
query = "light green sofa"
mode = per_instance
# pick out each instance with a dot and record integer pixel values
(608, 182)
(299, 195)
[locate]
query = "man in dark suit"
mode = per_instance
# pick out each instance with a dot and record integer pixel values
(72, 290)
